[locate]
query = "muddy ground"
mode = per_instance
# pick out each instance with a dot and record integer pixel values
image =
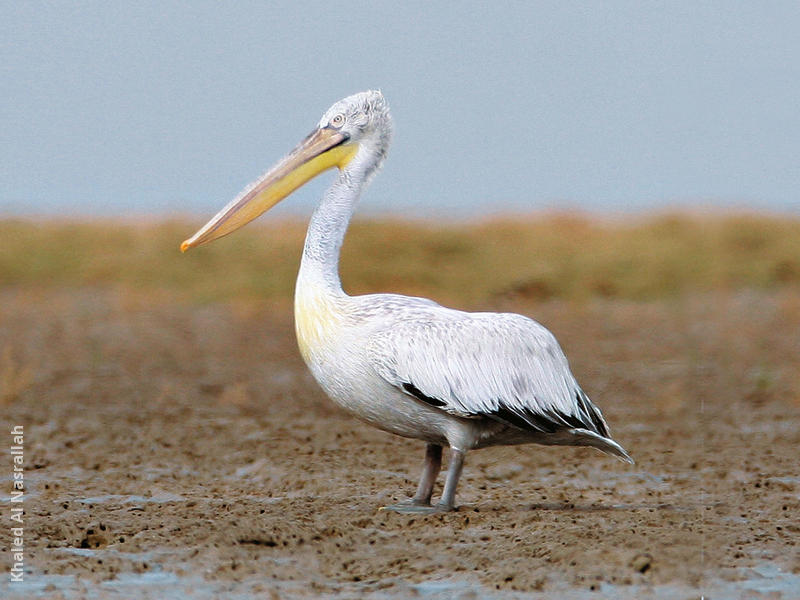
(176, 451)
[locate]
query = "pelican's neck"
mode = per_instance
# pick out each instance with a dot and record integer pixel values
(320, 264)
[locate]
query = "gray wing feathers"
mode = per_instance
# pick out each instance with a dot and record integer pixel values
(503, 366)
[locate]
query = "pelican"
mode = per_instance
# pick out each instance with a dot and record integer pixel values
(408, 365)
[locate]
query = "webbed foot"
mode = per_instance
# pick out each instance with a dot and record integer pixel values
(418, 508)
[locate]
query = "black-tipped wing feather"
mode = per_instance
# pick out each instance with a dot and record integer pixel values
(502, 366)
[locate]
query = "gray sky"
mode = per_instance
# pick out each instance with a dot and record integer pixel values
(140, 108)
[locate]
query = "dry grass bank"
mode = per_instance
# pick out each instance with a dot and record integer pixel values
(562, 257)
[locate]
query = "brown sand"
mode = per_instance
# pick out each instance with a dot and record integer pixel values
(185, 452)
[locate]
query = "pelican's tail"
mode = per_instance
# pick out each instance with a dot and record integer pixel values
(584, 437)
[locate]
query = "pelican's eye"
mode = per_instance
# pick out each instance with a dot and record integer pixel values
(337, 121)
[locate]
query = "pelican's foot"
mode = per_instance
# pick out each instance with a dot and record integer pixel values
(418, 508)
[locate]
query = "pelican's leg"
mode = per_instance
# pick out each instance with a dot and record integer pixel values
(421, 502)
(430, 471)
(448, 501)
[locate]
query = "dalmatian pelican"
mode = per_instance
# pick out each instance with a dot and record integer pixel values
(408, 365)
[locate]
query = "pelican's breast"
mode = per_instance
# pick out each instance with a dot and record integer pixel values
(317, 320)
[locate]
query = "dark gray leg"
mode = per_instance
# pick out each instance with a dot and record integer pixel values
(448, 501)
(430, 471)
(420, 503)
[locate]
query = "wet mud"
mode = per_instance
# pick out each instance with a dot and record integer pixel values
(176, 451)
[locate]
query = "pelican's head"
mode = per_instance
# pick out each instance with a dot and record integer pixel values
(353, 135)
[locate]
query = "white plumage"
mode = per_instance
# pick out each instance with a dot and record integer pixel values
(408, 365)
